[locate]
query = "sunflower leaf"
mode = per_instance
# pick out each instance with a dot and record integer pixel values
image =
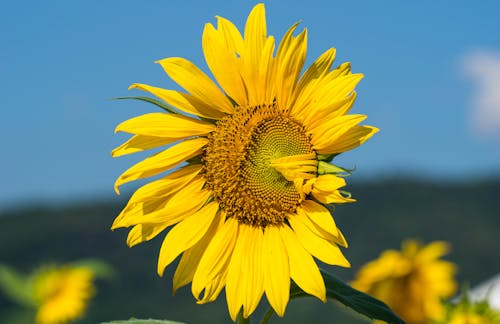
(158, 103)
(352, 298)
(16, 286)
(142, 321)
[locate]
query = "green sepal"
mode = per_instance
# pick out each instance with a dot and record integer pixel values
(16, 286)
(345, 194)
(142, 321)
(241, 319)
(100, 269)
(326, 157)
(158, 103)
(327, 168)
(352, 298)
(194, 160)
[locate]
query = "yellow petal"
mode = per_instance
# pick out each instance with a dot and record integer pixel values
(161, 188)
(222, 60)
(182, 101)
(341, 240)
(289, 60)
(162, 161)
(144, 232)
(169, 211)
(307, 83)
(331, 130)
(267, 75)
(301, 166)
(255, 288)
(335, 88)
(213, 288)
(303, 269)
(347, 141)
(324, 95)
(334, 127)
(191, 258)
(319, 231)
(256, 57)
(276, 270)
(320, 217)
(165, 125)
(136, 211)
(256, 30)
(341, 70)
(326, 189)
(433, 251)
(230, 34)
(339, 107)
(139, 143)
(323, 250)
(184, 203)
(156, 194)
(216, 257)
(318, 69)
(197, 83)
(186, 234)
(245, 281)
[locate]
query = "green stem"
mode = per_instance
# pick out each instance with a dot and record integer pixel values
(241, 319)
(267, 316)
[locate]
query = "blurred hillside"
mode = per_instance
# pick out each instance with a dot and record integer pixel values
(464, 214)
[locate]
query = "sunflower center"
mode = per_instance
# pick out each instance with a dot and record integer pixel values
(252, 160)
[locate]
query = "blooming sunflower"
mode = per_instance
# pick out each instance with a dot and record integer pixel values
(248, 206)
(62, 294)
(412, 281)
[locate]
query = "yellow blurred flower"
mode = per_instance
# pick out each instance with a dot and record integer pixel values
(465, 317)
(412, 281)
(467, 311)
(249, 204)
(62, 293)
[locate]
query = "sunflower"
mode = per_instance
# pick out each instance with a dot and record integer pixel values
(62, 293)
(412, 281)
(249, 176)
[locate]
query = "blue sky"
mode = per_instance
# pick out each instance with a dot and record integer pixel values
(429, 83)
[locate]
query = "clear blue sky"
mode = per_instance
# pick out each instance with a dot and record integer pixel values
(60, 61)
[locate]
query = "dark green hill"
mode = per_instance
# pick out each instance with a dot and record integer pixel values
(465, 214)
